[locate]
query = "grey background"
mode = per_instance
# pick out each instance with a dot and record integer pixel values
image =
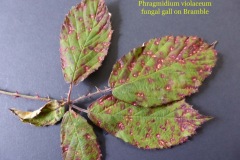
(30, 63)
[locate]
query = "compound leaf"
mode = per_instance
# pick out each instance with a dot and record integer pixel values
(48, 115)
(78, 139)
(149, 128)
(84, 39)
(162, 70)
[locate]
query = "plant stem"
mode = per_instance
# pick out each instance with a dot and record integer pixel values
(91, 94)
(18, 95)
(69, 93)
(79, 109)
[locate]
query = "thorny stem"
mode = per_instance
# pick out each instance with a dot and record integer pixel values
(17, 95)
(92, 94)
(47, 99)
(79, 109)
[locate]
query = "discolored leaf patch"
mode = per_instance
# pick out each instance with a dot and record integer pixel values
(48, 115)
(148, 128)
(162, 70)
(78, 139)
(85, 39)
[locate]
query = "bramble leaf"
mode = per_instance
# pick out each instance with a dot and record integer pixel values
(48, 115)
(149, 128)
(78, 139)
(162, 70)
(85, 39)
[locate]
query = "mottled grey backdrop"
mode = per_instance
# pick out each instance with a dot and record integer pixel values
(30, 63)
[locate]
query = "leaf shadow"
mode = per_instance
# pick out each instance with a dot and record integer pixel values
(99, 77)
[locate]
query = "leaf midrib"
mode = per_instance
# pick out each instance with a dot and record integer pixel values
(76, 136)
(148, 75)
(83, 47)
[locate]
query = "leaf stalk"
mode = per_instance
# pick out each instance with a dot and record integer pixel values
(69, 94)
(79, 109)
(92, 94)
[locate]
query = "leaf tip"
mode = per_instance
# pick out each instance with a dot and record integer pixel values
(208, 118)
(214, 44)
(12, 110)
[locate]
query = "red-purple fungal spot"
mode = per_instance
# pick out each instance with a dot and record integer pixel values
(159, 66)
(147, 135)
(131, 133)
(162, 143)
(171, 38)
(97, 50)
(148, 68)
(122, 81)
(149, 52)
(130, 110)
(160, 60)
(195, 38)
(162, 128)
(158, 136)
(182, 61)
(142, 63)
(100, 100)
(92, 16)
(137, 144)
(150, 80)
(168, 87)
(162, 76)
(88, 136)
(121, 126)
(140, 94)
(64, 149)
(157, 41)
(86, 68)
(147, 147)
(115, 73)
(194, 79)
(110, 98)
(100, 59)
(135, 74)
(193, 61)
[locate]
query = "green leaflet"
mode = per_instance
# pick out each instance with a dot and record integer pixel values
(78, 139)
(162, 70)
(48, 115)
(149, 128)
(85, 39)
